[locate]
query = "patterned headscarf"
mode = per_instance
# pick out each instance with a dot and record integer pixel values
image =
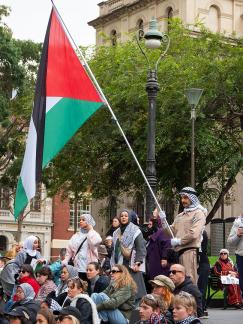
(72, 271)
(89, 219)
(28, 245)
(195, 203)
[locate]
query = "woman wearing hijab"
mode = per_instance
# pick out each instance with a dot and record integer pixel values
(130, 250)
(28, 255)
(24, 296)
(114, 226)
(67, 272)
(157, 248)
(83, 246)
(225, 267)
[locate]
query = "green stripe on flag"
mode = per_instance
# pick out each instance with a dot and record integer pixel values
(21, 199)
(62, 122)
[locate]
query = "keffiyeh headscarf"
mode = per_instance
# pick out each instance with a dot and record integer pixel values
(195, 203)
(28, 245)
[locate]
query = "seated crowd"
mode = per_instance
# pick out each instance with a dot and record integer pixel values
(84, 286)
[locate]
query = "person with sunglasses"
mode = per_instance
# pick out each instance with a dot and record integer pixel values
(182, 282)
(129, 249)
(28, 255)
(116, 302)
(224, 266)
(26, 275)
(152, 310)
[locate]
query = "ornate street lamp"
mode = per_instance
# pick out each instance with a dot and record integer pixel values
(193, 96)
(154, 39)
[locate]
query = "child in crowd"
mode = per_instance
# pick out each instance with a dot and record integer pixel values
(152, 310)
(185, 309)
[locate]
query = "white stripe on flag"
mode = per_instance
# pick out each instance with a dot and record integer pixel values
(29, 164)
(51, 102)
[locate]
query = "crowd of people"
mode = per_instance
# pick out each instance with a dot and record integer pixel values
(135, 269)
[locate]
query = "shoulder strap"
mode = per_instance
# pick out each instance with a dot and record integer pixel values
(80, 247)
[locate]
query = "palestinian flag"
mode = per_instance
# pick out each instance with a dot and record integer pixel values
(65, 98)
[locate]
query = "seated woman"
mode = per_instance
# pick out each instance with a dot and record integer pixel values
(116, 302)
(224, 266)
(45, 279)
(164, 287)
(45, 316)
(27, 255)
(24, 296)
(152, 310)
(96, 282)
(185, 309)
(26, 275)
(60, 294)
(77, 297)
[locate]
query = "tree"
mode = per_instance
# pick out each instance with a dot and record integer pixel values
(209, 61)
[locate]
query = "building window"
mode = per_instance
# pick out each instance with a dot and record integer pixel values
(3, 243)
(113, 37)
(83, 207)
(169, 16)
(140, 28)
(112, 207)
(214, 19)
(4, 198)
(35, 203)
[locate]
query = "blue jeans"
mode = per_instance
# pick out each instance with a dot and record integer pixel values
(239, 262)
(112, 316)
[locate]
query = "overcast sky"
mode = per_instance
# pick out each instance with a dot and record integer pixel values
(29, 18)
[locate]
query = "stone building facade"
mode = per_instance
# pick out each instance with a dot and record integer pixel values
(119, 18)
(38, 221)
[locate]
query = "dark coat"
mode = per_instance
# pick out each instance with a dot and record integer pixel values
(157, 248)
(85, 309)
(188, 286)
(100, 285)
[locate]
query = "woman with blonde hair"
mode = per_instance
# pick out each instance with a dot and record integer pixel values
(116, 302)
(185, 309)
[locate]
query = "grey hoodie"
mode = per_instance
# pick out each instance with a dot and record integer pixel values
(233, 239)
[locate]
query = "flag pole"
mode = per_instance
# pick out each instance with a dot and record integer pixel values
(113, 115)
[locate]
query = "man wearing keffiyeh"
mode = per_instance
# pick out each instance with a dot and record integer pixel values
(187, 229)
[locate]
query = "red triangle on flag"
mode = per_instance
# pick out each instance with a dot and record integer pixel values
(65, 75)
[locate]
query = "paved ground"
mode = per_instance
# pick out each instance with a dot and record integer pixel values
(224, 316)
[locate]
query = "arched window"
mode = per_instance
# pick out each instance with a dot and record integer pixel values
(35, 203)
(214, 19)
(113, 37)
(169, 16)
(140, 27)
(3, 243)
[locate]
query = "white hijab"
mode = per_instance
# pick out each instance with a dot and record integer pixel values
(28, 245)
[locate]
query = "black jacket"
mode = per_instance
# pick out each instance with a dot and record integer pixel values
(188, 286)
(85, 309)
(101, 284)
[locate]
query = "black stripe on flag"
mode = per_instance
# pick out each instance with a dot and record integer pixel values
(39, 110)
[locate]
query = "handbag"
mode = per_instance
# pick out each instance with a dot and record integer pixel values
(70, 262)
(125, 251)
